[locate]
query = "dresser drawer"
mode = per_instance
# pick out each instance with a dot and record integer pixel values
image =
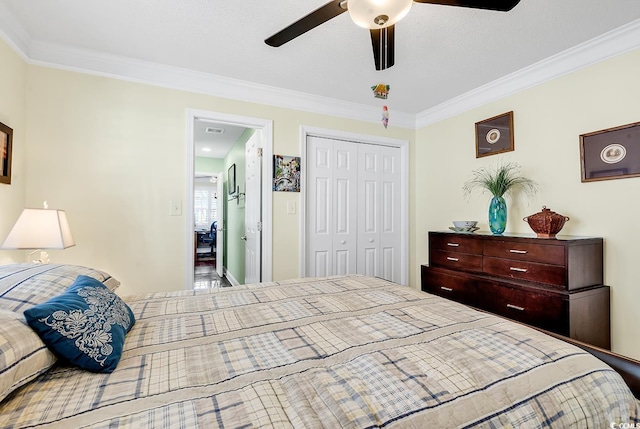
(522, 270)
(448, 285)
(537, 309)
(532, 252)
(457, 261)
(456, 243)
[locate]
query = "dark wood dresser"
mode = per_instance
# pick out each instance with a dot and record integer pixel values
(554, 284)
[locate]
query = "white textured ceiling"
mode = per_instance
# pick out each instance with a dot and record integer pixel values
(214, 145)
(441, 51)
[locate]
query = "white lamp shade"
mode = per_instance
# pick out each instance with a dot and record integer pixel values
(365, 12)
(40, 229)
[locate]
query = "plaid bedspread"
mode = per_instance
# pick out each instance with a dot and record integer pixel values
(352, 352)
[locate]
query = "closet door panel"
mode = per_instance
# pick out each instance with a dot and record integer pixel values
(322, 264)
(342, 265)
(368, 209)
(388, 269)
(344, 211)
(368, 261)
(390, 223)
(319, 229)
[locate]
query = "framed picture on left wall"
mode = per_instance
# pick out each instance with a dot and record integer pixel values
(6, 151)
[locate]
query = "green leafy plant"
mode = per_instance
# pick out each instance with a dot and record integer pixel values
(502, 180)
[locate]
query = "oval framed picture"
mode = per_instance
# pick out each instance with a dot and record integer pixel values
(493, 135)
(613, 153)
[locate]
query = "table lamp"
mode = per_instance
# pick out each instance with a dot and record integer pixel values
(40, 229)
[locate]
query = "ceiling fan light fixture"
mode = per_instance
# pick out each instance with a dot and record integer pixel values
(375, 14)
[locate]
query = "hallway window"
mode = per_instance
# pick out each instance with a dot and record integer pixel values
(205, 205)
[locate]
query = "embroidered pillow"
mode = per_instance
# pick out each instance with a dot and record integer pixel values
(85, 325)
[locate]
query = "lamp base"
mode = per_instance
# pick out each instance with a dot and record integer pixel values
(44, 257)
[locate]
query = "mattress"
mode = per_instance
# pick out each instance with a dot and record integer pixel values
(344, 351)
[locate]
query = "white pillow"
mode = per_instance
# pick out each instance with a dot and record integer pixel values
(24, 285)
(23, 355)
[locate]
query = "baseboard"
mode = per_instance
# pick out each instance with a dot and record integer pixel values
(230, 277)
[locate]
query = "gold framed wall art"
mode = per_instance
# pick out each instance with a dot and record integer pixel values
(613, 153)
(6, 153)
(494, 135)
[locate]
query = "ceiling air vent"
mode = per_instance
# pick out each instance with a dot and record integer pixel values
(214, 130)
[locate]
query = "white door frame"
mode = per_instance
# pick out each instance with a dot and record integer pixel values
(403, 145)
(267, 170)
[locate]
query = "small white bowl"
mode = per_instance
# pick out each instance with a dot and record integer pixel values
(465, 224)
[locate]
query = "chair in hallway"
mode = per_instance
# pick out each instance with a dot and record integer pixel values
(212, 236)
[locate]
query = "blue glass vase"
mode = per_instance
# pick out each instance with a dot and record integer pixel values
(497, 215)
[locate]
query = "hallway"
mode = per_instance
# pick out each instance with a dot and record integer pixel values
(205, 277)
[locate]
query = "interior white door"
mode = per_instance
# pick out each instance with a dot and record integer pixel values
(220, 224)
(253, 209)
(353, 209)
(331, 233)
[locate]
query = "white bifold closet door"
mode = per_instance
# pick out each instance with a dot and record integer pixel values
(352, 209)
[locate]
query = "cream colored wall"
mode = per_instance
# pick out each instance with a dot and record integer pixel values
(112, 154)
(203, 164)
(548, 120)
(12, 114)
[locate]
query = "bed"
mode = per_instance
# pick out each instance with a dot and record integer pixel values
(343, 351)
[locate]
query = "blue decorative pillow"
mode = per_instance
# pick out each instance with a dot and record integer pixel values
(85, 325)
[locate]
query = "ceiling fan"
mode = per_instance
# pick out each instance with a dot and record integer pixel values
(379, 16)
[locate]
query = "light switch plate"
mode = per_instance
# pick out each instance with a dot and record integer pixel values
(176, 208)
(291, 207)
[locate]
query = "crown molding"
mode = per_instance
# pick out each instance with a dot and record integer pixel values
(623, 39)
(13, 33)
(118, 67)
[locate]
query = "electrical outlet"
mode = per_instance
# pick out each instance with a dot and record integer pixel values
(176, 208)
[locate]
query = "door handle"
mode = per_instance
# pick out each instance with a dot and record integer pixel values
(244, 237)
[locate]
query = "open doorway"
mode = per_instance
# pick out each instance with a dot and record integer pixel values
(235, 192)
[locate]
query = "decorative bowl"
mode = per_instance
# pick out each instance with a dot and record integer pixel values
(465, 224)
(547, 223)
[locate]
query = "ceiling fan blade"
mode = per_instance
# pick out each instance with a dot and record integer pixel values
(499, 5)
(306, 23)
(382, 41)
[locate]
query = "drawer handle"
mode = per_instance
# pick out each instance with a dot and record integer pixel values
(515, 307)
(449, 258)
(520, 270)
(453, 244)
(448, 289)
(518, 251)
